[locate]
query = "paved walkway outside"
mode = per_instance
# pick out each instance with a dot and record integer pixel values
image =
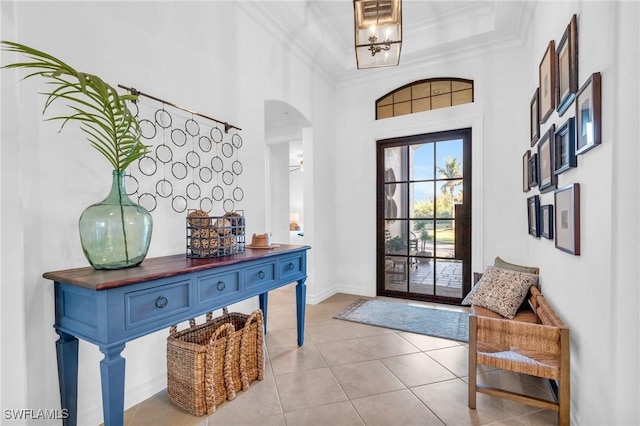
(448, 277)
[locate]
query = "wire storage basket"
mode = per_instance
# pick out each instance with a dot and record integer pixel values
(214, 236)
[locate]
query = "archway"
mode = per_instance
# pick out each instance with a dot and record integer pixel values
(289, 140)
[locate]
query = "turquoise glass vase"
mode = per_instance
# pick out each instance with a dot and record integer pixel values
(116, 232)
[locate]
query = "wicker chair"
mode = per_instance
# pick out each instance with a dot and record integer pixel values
(539, 348)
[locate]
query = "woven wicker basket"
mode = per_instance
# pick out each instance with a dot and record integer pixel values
(208, 363)
(199, 367)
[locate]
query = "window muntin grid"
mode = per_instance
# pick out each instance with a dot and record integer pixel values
(424, 95)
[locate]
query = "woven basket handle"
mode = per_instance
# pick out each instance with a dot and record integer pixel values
(192, 323)
(260, 343)
(256, 316)
(174, 328)
(210, 394)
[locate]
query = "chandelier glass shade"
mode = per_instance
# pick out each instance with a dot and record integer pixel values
(378, 32)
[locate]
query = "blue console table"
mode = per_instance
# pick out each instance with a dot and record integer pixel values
(110, 308)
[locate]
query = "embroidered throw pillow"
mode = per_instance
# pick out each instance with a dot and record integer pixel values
(501, 290)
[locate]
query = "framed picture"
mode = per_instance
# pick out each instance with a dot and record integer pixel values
(534, 117)
(567, 63)
(533, 171)
(547, 180)
(525, 171)
(533, 215)
(588, 115)
(546, 221)
(564, 151)
(567, 220)
(547, 82)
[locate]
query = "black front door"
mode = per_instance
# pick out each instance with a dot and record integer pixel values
(424, 216)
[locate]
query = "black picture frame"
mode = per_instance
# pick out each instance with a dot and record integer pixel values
(533, 170)
(534, 117)
(546, 221)
(567, 219)
(564, 151)
(589, 115)
(547, 180)
(567, 67)
(525, 171)
(533, 215)
(547, 82)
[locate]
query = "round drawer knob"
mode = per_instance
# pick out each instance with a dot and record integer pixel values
(291, 266)
(162, 301)
(221, 285)
(261, 275)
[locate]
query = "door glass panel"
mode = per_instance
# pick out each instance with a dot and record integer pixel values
(395, 160)
(449, 193)
(449, 278)
(396, 241)
(395, 273)
(395, 206)
(391, 209)
(421, 161)
(449, 159)
(421, 279)
(445, 238)
(422, 198)
(422, 233)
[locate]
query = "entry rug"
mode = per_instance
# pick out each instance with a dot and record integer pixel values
(415, 319)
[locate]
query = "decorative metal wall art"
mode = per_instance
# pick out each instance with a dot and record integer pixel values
(193, 162)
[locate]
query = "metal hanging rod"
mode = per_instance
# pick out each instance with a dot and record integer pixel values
(136, 92)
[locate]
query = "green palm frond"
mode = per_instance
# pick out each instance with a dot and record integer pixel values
(101, 112)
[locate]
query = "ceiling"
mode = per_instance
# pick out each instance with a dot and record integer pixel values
(321, 33)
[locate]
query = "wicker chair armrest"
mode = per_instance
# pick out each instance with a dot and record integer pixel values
(546, 314)
(517, 335)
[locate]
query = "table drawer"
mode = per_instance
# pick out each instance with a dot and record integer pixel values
(291, 267)
(258, 276)
(218, 286)
(145, 306)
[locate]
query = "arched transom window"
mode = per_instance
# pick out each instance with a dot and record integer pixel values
(425, 95)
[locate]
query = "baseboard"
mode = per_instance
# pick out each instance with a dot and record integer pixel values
(145, 390)
(313, 298)
(134, 396)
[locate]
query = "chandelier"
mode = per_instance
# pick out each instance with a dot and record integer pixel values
(378, 32)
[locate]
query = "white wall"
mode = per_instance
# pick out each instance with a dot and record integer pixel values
(493, 124)
(201, 55)
(596, 293)
(278, 194)
(152, 48)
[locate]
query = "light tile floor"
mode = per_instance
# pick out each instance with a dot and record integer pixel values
(354, 374)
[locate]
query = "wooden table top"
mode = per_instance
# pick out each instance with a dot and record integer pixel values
(159, 267)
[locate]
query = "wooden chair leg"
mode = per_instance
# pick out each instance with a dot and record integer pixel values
(473, 360)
